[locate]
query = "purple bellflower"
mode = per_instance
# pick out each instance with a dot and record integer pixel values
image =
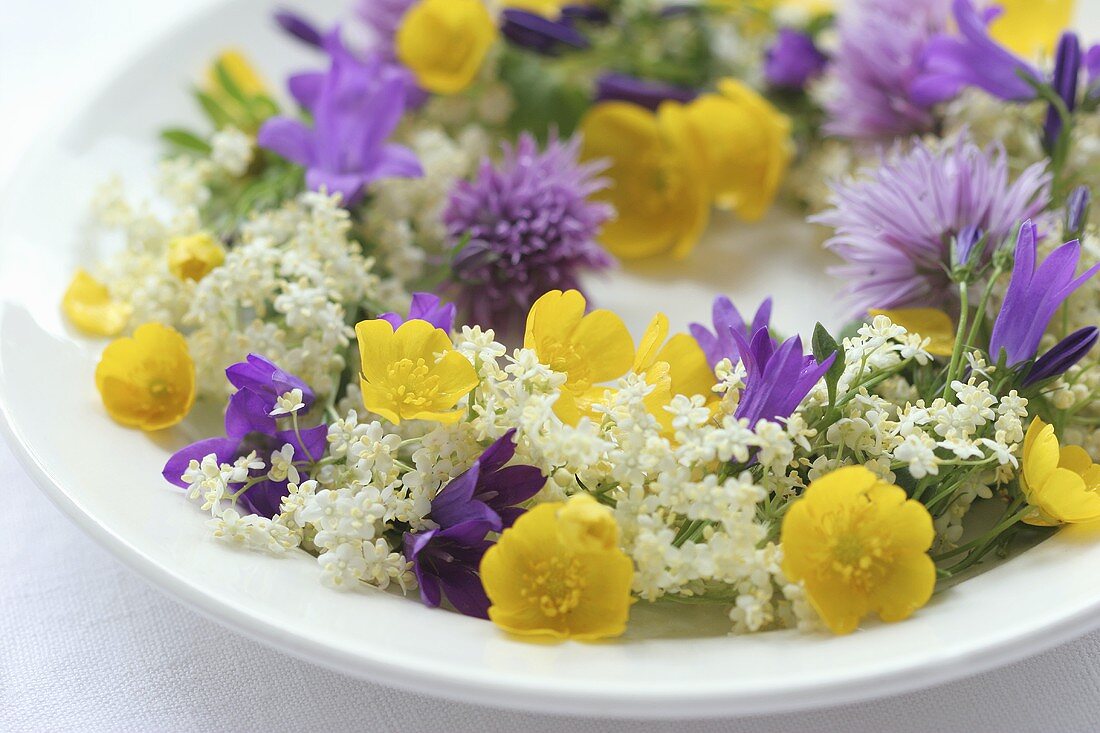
(793, 60)
(1067, 68)
(262, 377)
(355, 105)
(483, 499)
(300, 28)
(777, 378)
(249, 427)
(426, 307)
(539, 33)
(1033, 296)
(949, 62)
(649, 94)
(726, 319)
(1065, 354)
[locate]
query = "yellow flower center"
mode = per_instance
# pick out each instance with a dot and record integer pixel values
(554, 584)
(411, 382)
(562, 356)
(857, 558)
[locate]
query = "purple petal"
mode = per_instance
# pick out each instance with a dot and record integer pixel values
(224, 448)
(289, 138)
(246, 413)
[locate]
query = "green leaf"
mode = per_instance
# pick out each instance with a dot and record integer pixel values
(544, 98)
(217, 113)
(824, 346)
(186, 140)
(226, 82)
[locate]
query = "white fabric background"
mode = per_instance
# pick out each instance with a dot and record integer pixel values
(85, 645)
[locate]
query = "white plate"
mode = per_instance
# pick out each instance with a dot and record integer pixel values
(107, 479)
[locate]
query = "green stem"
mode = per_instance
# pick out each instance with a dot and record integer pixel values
(960, 340)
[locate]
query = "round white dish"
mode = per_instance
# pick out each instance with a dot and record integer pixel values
(672, 663)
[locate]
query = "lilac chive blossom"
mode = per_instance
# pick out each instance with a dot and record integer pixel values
(893, 225)
(485, 498)
(355, 107)
(726, 319)
(793, 60)
(426, 307)
(777, 378)
(539, 33)
(299, 28)
(262, 377)
(526, 227)
(1067, 68)
(249, 427)
(1033, 296)
(648, 94)
(881, 42)
(950, 63)
(1065, 354)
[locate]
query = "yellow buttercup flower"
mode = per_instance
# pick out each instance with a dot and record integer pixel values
(559, 571)
(1061, 483)
(1032, 27)
(928, 322)
(89, 306)
(443, 42)
(147, 381)
(588, 349)
(677, 366)
(412, 373)
(240, 71)
(241, 99)
(746, 145)
(193, 257)
(858, 545)
(658, 184)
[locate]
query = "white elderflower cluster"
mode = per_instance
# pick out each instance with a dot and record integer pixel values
(290, 289)
(405, 215)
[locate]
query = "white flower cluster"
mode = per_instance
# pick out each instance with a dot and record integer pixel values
(290, 286)
(405, 215)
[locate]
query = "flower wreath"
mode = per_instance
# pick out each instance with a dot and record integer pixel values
(497, 445)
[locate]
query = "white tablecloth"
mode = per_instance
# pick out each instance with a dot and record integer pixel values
(86, 645)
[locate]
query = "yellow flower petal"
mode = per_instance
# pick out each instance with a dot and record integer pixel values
(88, 305)
(1065, 498)
(559, 572)
(746, 145)
(194, 257)
(1041, 454)
(928, 322)
(1032, 27)
(658, 185)
(147, 381)
(443, 42)
(240, 71)
(588, 349)
(906, 588)
(655, 334)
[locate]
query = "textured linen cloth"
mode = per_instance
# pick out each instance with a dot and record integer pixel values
(85, 645)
